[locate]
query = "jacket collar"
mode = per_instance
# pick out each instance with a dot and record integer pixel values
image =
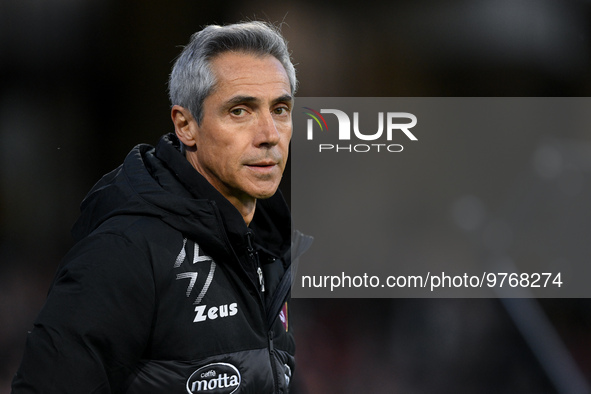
(271, 224)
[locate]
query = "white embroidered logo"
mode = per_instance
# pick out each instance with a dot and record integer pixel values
(215, 311)
(202, 312)
(192, 276)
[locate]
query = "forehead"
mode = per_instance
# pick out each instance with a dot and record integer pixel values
(241, 73)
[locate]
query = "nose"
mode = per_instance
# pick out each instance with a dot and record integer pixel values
(267, 131)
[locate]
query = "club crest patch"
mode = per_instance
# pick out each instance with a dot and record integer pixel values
(283, 317)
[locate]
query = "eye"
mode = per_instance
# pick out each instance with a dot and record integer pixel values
(238, 111)
(281, 110)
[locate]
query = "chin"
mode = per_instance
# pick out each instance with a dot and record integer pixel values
(262, 196)
(264, 193)
(263, 190)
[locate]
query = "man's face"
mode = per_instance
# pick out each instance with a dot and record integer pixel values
(243, 139)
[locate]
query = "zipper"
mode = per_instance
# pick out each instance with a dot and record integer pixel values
(253, 255)
(272, 361)
(229, 248)
(255, 258)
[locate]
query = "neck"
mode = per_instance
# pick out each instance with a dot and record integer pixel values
(246, 208)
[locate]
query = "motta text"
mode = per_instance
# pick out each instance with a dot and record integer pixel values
(207, 383)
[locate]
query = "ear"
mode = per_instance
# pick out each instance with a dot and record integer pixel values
(184, 125)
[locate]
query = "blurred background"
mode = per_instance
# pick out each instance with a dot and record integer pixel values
(82, 82)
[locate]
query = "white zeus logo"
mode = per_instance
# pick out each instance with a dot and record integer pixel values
(212, 313)
(218, 378)
(394, 122)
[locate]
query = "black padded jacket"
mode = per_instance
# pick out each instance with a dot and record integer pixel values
(166, 290)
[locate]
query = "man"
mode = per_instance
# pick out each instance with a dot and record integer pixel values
(180, 276)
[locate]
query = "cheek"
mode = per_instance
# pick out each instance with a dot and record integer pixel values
(227, 157)
(286, 135)
(215, 148)
(285, 143)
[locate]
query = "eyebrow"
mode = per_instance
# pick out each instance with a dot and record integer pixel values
(250, 99)
(284, 98)
(241, 100)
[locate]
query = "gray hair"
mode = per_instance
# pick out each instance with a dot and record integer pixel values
(192, 79)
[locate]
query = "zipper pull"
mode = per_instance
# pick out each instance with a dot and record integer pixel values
(253, 255)
(261, 279)
(249, 247)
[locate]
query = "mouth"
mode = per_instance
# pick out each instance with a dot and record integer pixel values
(263, 166)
